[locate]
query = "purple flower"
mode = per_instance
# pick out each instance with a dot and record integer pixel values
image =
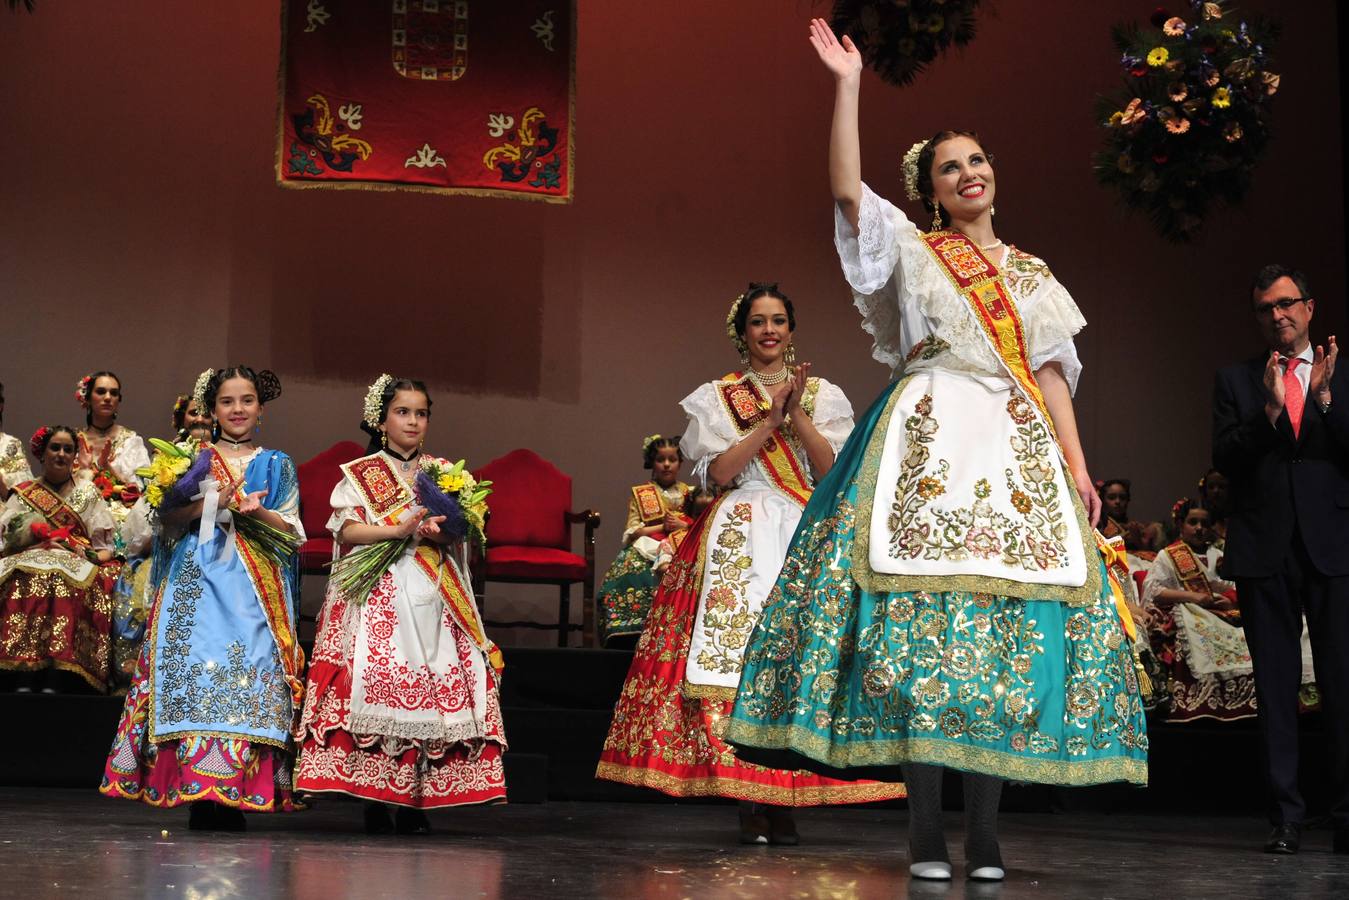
(188, 484)
(438, 503)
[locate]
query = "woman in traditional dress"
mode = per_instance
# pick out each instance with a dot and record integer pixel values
(14, 467)
(1213, 497)
(191, 422)
(402, 706)
(57, 571)
(1203, 665)
(1142, 540)
(110, 453)
(765, 433)
(218, 687)
(944, 602)
(655, 511)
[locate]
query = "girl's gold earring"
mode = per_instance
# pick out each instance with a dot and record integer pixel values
(936, 216)
(384, 439)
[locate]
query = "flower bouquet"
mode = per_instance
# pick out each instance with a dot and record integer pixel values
(898, 40)
(442, 489)
(174, 479)
(1192, 120)
(33, 530)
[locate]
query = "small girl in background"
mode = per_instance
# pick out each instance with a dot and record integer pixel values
(655, 511)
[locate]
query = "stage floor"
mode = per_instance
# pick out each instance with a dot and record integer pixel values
(76, 844)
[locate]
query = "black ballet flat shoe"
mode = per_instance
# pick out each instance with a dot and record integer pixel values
(228, 818)
(754, 826)
(201, 816)
(411, 821)
(377, 819)
(782, 826)
(1285, 839)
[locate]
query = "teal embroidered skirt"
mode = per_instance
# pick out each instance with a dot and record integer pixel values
(625, 596)
(852, 683)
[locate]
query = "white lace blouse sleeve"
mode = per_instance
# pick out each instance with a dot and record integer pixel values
(132, 455)
(347, 507)
(136, 530)
(869, 257)
(1161, 577)
(833, 415)
(1051, 323)
(98, 522)
(709, 433)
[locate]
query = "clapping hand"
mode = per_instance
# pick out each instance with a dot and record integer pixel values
(781, 402)
(251, 503)
(798, 383)
(1323, 369)
(1274, 395)
(410, 524)
(430, 526)
(843, 59)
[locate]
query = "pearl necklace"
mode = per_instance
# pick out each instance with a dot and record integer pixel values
(776, 378)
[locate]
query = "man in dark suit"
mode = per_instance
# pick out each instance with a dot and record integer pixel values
(1281, 436)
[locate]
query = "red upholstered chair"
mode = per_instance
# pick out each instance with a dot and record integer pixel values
(529, 537)
(318, 477)
(1139, 577)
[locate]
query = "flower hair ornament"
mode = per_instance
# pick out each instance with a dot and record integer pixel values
(731, 333)
(910, 168)
(180, 408)
(35, 442)
(1178, 507)
(648, 441)
(199, 389)
(374, 401)
(82, 390)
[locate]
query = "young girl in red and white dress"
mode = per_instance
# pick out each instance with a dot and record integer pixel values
(402, 705)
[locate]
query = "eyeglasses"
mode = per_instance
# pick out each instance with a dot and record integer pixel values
(1265, 310)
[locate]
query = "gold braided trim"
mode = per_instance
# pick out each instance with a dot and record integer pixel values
(214, 793)
(707, 691)
(875, 582)
(934, 751)
(64, 665)
(716, 786)
(162, 737)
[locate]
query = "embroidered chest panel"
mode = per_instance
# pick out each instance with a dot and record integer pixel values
(379, 485)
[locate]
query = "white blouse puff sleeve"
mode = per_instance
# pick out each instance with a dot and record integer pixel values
(98, 522)
(130, 456)
(709, 433)
(347, 507)
(904, 297)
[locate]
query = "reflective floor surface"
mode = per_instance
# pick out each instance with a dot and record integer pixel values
(76, 844)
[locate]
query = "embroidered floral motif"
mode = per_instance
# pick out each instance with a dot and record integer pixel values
(726, 619)
(921, 529)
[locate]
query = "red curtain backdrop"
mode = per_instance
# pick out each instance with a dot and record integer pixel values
(456, 96)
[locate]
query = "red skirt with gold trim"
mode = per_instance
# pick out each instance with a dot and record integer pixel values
(661, 738)
(45, 621)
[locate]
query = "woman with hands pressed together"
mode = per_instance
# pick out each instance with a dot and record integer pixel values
(217, 689)
(944, 602)
(763, 434)
(402, 707)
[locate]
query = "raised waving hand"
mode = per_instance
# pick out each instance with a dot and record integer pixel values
(842, 58)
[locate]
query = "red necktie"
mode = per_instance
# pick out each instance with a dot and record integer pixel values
(1293, 398)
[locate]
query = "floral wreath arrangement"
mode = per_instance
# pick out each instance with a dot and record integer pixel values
(441, 488)
(898, 40)
(1193, 119)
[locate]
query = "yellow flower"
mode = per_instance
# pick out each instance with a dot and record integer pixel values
(1158, 56)
(1174, 27)
(450, 483)
(1222, 98)
(154, 495)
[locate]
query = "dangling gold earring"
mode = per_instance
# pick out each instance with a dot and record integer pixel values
(744, 357)
(936, 216)
(384, 439)
(790, 355)
(992, 211)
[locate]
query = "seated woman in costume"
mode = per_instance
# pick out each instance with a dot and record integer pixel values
(699, 498)
(131, 595)
(655, 511)
(402, 706)
(109, 453)
(57, 571)
(189, 421)
(13, 461)
(1140, 539)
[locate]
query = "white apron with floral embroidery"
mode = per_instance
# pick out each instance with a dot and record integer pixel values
(970, 481)
(748, 536)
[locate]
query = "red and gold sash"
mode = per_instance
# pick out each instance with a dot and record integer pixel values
(650, 502)
(980, 283)
(1188, 568)
(53, 507)
(458, 600)
(385, 493)
(269, 580)
(747, 407)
